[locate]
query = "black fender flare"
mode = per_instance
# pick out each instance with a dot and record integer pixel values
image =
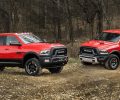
(116, 52)
(30, 53)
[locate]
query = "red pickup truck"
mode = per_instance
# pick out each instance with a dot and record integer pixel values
(105, 49)
(26, 50)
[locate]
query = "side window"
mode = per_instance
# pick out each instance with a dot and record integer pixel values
(11, 39)
(2, 40)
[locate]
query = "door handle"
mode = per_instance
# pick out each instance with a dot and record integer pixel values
(6, 49)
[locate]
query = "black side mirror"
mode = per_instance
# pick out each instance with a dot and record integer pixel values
(15, 44)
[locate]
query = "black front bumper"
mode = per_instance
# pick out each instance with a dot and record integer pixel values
(102, 58)
(47, 61)
(94, 59)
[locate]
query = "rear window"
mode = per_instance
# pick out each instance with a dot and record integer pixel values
(2, 40)
(10, 39)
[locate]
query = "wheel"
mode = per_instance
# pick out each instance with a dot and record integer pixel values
(86, 63)
(56, 70)
(2, 69)
(112, 62)
(32, 66)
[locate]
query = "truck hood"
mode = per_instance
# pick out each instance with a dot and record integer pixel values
(43, 46)
(101, 45)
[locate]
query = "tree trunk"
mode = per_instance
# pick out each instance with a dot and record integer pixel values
(59, 30)
(14, 16)
(100, 22)
(92, 29)
(4, 21)
(58, 21)
(45, 14)
(70, 21)
(54, 32)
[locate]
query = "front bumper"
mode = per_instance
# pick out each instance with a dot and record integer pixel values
(51, 61)
(94, 59)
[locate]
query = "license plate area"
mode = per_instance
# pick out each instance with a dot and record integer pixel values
(87, 60)
(60, 59)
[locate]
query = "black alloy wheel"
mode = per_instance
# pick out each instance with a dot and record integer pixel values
(32, 66)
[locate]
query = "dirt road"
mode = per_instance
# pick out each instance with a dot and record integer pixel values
(76, 82)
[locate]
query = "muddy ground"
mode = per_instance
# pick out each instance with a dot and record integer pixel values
(76, 82)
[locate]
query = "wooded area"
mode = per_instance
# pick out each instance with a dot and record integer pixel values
(59, 19)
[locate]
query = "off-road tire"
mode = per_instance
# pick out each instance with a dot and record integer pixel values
(112, 62)
(2, 68)
(32, 67)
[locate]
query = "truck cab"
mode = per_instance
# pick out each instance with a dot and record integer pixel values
(105, 49)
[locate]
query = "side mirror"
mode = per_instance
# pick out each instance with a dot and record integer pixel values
(15, 44)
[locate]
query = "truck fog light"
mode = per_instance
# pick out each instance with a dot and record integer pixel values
(47, 60)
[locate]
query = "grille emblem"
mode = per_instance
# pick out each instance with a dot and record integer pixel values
(60, 51)
(89, 51)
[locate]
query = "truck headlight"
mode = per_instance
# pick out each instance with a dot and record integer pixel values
(103, 52)
(45, 52)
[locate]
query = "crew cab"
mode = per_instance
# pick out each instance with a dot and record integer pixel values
(25, 50)
(105, 49)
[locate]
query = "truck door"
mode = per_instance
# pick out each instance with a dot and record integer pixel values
(2, 47)
(13, 52)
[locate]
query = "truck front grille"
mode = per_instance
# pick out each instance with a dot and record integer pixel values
(59, 52)
(88, 50)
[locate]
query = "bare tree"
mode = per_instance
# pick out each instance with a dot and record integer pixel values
(14, 15)
(68, 6)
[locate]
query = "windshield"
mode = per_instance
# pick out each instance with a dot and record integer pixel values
(29, 38)
(111, 37)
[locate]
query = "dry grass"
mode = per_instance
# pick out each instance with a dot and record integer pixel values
(76, 82)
